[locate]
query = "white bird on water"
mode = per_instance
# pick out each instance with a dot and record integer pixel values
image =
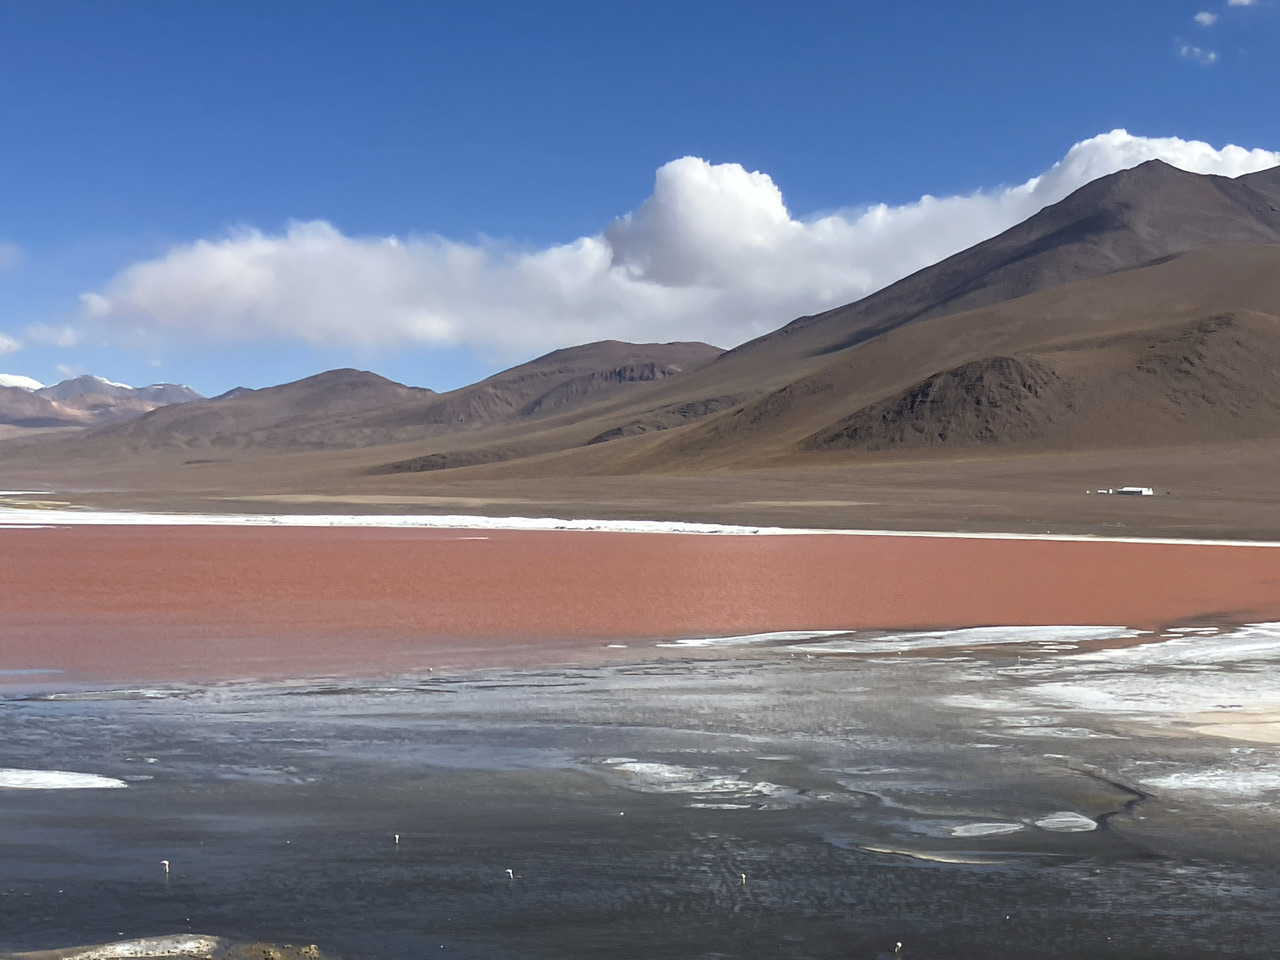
(165, 864)
(510, 875)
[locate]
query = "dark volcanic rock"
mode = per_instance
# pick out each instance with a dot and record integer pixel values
(664, 418)
(1005, 399)
(447, 461)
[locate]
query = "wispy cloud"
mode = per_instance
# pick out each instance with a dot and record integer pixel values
(8, 344)
(1198, 54)
(63, 336)
(1242, 3)
(1205, 18)
(712, 254)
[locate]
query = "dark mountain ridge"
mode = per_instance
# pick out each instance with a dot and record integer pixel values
(343, 409)
(1117, 222)
(1123, 221)
(1001, 374)
(564, 378)
(243, 418)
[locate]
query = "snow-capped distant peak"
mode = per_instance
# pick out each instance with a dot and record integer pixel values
(110, 383)
(86, 385)
(14, 380)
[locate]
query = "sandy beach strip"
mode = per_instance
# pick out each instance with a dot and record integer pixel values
(202, 602)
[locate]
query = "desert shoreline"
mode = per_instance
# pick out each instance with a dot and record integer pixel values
(13, 515)
(197, 602)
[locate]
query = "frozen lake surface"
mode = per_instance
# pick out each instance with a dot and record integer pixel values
(1034, 793)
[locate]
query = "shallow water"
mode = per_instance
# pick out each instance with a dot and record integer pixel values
(1040, 799)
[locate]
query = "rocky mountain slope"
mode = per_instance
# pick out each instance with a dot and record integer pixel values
(1181, 351)
(756, 402)
(82, 401)
(343, 409)
(21, 407)
(1141, 311)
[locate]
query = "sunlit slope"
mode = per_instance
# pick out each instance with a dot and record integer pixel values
(1118, 222)
(1125, 220)
(1185, 351)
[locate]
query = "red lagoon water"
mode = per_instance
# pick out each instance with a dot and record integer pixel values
(203, 603)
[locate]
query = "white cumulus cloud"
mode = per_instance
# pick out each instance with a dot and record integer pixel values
(1205, 18)
(713, 254)
(1242, 3)
(8, 344)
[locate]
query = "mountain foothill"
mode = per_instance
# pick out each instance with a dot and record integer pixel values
(1135, 319)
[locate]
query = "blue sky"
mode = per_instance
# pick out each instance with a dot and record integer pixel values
(208, 192)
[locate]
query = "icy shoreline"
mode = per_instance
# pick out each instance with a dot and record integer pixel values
(35, 518)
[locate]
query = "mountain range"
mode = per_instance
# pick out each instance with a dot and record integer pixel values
(81, 401)
(1141, 313)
